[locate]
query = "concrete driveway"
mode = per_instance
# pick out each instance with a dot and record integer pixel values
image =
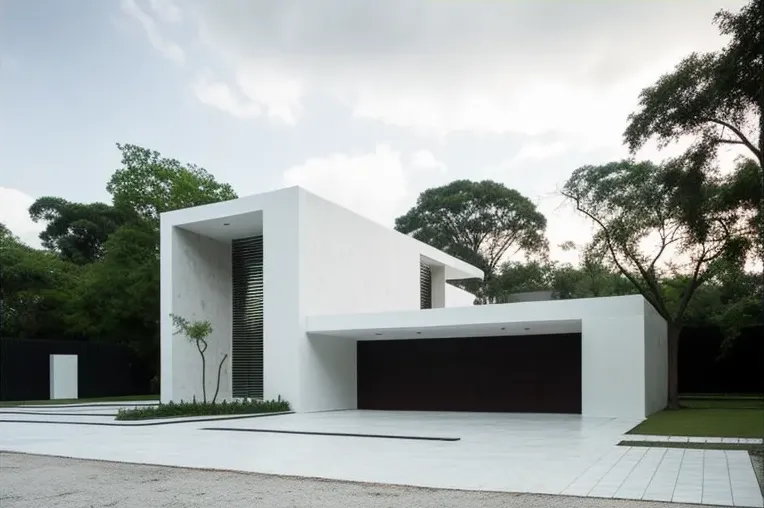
(548, 454)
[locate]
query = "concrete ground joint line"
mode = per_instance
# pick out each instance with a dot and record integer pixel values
(703, 475)
(729, 476)
(632, 470)
(655, 471)
(586, 470)
(678, 472)
(608, 471)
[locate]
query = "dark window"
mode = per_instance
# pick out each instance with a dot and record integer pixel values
(425, 286)
(247, 336)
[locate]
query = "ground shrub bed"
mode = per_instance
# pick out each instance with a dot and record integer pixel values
(194, 408)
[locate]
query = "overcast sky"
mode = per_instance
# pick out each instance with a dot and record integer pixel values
(365, 102)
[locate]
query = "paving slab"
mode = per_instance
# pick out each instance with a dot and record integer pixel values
(522, 453)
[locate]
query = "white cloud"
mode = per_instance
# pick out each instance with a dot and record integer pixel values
(167, 11)
(538, 151)
(425, 160)
(14, 213)
(165, 47)
(492, 67)
(260, 91)
(373, 184)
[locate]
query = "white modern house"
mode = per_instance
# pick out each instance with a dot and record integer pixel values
(330, 310)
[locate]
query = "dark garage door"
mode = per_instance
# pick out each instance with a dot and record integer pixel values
(535, 374)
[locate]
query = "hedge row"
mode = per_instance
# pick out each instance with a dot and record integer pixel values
(194, 408)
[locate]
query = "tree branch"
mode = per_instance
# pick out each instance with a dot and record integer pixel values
(608, 241)
(743, 139)
(729, 142)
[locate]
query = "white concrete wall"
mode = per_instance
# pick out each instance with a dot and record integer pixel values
(196, 283)
(614, 352)
(351, 264)
(201, 291)
(63, 377)
(612, 363)
(283, 328)
(457, 297)
(439, 287)
(656, 360)
(347, 264)
(329, 375)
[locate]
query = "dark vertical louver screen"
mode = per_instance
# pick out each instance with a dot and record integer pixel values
(247, 352)
(425, 286)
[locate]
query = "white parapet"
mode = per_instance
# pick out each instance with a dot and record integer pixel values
(63, 377)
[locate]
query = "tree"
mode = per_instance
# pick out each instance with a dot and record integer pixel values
(76, 231)
(717, 98)
(150, 184)
(743, 193)
(643, 232)
(117, 298)
(515, 277)
(36, 289)
(478, 222)
(197, 332)
(592, 278)
(727, 301)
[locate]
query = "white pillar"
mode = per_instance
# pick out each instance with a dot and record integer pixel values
(63, 377)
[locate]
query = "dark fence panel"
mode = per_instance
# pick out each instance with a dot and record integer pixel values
(104, 369)
(703, 368)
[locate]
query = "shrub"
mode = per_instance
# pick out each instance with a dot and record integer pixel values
(194, 408)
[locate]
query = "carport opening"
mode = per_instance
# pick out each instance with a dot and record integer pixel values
(520, 373)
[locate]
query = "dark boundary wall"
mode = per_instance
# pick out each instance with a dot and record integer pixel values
(702, 370)
(105, 369)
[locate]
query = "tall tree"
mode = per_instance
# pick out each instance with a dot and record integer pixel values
(644, 234)
(479, 222)
(591, 278)
(515, 277)
(151, 184)
(36, 289)
(76, 231)
(727, 301)
(716, 98)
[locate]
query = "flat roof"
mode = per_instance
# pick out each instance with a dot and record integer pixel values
(523, 318)
(243, 216)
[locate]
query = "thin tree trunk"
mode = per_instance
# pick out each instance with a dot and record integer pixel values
(217, 387)
(204, 371)
(761, 203)
(673, 366)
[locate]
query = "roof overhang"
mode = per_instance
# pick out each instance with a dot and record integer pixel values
(524, 318)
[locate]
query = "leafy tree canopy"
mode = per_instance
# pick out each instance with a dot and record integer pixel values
(151, 184)
(478, 222)
(645, 234)
(717, 98)
(643, 231)
(36, 289)
(76, 231)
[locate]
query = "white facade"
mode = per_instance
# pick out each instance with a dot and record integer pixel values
(63, 377)
(331, 276)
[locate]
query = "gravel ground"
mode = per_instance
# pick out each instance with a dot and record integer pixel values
(33, 481)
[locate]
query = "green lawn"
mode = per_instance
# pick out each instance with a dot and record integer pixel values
(708, 417)
(129, 398)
